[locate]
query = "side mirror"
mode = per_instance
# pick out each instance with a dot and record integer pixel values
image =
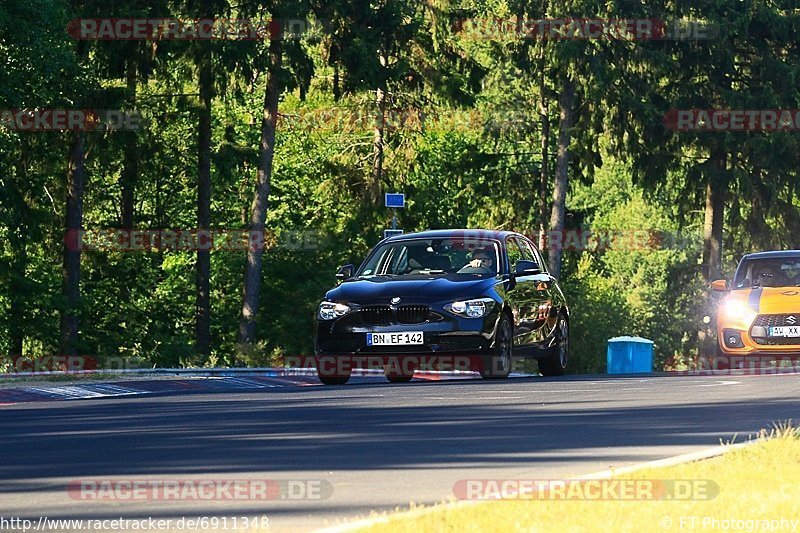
(345, 272)
(527, 268)
(719, 285)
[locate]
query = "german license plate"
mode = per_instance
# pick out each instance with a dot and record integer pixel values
(394, 339)
(784, 331)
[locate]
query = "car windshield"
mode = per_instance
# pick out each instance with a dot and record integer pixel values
(433, 257)
(783, 272)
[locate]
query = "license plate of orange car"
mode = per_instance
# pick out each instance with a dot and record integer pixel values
(784, 331)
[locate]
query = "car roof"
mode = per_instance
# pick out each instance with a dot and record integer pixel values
(449, 233)
(774, 254)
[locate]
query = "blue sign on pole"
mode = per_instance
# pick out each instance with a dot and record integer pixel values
(395, 199)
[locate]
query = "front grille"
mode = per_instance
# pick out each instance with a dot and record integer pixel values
(777, 341)
(377, 315)
(413, 314)
(768, 321)
(778, 320)
(383, 315)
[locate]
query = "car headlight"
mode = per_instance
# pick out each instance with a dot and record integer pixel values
(471, 308)
(331, 310)
(739, 311)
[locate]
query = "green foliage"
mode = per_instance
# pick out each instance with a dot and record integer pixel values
(643, 278)
(629, 174)
(598, 311)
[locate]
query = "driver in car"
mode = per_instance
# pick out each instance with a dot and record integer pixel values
(764, 276)
(483, 261)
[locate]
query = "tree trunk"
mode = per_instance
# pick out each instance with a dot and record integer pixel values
(544, 114)
(17, 308)
(545, 118)
(71, 269)
(716, 191)
(258, 210)
(130, 168)
(557, 217)
(17, 280)
(337, 91)
(377, 146)
(203, 268)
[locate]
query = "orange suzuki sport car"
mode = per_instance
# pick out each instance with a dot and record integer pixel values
(761, 313)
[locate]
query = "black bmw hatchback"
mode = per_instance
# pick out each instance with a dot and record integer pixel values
(443, 299)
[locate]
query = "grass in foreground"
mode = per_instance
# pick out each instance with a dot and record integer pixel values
(757, 482)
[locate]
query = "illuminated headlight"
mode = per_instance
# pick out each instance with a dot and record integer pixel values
(471, 308)
(736, 310)
(331, 310)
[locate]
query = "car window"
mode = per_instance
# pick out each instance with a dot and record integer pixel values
(432, 257)
(398, 262)
(529, 248)
(769, 273)
(514, 252)
(527, 251)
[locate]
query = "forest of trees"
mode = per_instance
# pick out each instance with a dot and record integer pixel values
(296, 135)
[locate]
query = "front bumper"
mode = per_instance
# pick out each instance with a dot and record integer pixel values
(443, 333)
(753, 340)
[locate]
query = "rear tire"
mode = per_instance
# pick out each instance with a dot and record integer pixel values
(556, 364)
(498, 364)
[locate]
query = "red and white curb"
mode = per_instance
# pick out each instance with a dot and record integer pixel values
(185, 380)
(85, 391)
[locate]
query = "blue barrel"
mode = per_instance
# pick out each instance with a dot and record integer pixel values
(629, 355)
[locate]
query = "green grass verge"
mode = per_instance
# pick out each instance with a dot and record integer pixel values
(756, 483)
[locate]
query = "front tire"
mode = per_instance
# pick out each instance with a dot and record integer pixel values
(498, 364)
(397, 377)
(334, 380)
(556, 364)
(331, 371)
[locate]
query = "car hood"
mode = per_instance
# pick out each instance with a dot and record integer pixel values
(410, 289)
(770, 300)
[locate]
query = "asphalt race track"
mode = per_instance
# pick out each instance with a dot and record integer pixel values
(378, 445)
